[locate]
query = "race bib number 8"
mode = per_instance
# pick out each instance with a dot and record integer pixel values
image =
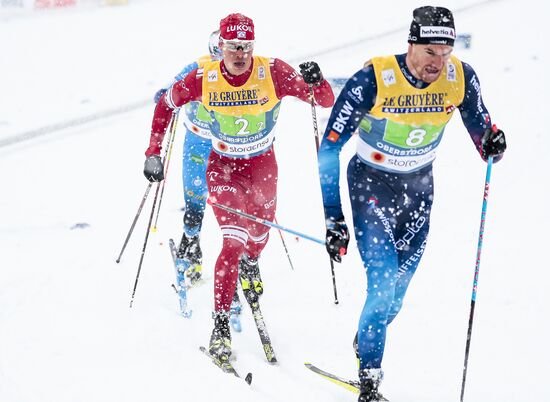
(411, 137)
(415, 137)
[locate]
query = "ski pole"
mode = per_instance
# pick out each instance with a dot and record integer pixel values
(145, 244)
(284, 245)
(134, 222)
(476, 273)
(314, 117)
(146, 236)
(316, 131)
(264, 221)
(173, 127)
(139, 213)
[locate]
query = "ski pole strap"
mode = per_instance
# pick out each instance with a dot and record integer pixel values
(264, 222)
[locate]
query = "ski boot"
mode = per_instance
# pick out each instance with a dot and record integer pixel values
(220, 341)
(251, 281)
(369, 380)
(235, 312)
(189, 258)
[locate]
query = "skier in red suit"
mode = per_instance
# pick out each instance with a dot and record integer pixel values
(242, 94)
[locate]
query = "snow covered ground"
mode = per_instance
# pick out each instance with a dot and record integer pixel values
(66, 332)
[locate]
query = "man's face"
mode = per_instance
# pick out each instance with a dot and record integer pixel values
(426, 62)
(237, 55)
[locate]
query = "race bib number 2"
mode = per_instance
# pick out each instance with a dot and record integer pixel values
(245, 125)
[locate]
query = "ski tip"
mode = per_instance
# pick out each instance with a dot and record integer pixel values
(248, 378)
(236, 326)
(154, 230)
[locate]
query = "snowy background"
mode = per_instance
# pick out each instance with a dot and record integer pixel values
(66, 332)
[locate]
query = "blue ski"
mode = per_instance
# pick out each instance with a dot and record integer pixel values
(180, 286)
(235, 320)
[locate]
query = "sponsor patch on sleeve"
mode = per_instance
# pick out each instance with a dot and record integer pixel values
(333, 136)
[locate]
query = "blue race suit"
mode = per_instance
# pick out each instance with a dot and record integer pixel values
(196, 149)
(391, 209)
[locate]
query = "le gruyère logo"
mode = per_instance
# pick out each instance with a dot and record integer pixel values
(234, 98)
(416, 103)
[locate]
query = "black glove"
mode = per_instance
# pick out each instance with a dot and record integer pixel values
(153, 169)
(493, 143)
(337, 239)
(311, 72)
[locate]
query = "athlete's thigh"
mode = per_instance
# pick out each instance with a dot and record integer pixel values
(414, 221)
(195, 160)
(225, 189)
(372, 202)
(262, 192)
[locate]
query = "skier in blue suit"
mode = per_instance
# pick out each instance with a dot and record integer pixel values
(196, 149)
(400, 105)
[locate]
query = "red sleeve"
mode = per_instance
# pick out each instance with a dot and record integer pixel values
(182, 92)
(289, 83)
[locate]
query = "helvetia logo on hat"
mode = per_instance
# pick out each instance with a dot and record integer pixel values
(437, 32)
